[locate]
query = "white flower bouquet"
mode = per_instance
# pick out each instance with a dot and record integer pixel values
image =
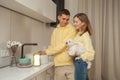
(13, 45)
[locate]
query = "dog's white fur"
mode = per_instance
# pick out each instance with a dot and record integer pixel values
(76, 50)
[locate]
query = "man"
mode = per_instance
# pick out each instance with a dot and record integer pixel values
(64, 69)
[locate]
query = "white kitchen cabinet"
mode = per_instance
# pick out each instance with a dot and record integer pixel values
(46, 8)
(43, 10)
(41, 76)
(46, 75)
(50, 74)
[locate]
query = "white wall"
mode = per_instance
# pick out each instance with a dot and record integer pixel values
(72, 6)
(14, 26)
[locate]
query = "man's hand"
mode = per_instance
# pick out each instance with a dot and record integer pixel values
(42, 52)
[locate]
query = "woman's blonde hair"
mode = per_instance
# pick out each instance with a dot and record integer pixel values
(83, 18)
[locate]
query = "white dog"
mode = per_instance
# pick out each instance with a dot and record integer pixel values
(76, 50)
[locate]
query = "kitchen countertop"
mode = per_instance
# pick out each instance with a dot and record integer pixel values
(15, 73)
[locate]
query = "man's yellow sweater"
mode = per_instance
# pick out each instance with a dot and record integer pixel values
(58, 47)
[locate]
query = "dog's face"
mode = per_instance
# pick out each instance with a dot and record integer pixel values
(69, 42)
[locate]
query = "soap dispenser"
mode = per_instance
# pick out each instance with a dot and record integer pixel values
(36, 59)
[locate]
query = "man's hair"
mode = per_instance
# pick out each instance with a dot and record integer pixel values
(64, 11)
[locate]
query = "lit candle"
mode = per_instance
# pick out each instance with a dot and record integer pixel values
(36, 59)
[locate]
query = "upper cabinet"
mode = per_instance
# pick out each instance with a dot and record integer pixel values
(43, 10)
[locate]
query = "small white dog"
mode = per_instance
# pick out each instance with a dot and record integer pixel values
(76, 50)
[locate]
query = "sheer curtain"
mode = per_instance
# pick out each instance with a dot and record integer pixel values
(105, 18)
(111, 40)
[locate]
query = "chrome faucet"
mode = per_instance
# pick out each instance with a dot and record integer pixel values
(22, 49)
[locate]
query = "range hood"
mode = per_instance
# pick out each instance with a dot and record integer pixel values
(43, 10)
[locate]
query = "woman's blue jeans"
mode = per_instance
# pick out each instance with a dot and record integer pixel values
(81, 72)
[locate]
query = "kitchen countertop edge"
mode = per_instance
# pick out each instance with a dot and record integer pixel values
(15, 73)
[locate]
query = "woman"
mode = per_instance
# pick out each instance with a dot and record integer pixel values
(84, 31)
